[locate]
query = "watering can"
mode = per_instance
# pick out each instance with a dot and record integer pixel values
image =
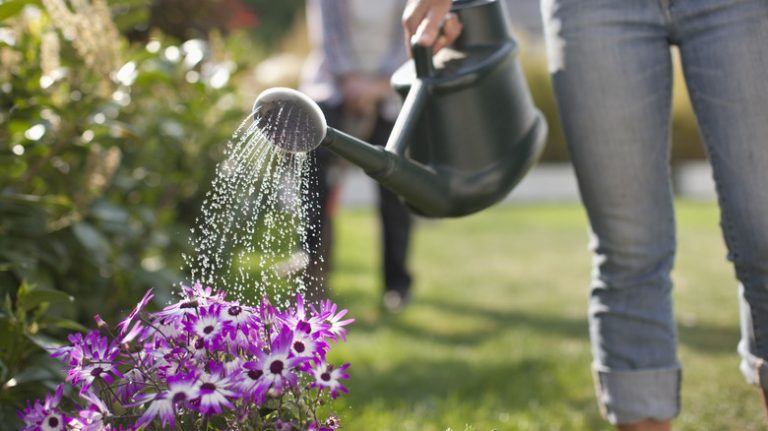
(467, 132)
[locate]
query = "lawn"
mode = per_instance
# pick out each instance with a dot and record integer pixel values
(496, 338)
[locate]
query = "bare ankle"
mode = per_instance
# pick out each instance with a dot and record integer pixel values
(765, 400)
(646, 425)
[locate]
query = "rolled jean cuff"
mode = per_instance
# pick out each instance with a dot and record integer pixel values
(630, 396)
(754, 369)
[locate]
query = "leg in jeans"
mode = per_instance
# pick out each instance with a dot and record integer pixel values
(724, 51)
(611, 72)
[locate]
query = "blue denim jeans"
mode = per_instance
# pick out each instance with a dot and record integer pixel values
(612, 74)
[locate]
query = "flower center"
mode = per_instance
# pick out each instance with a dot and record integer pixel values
(208, 329)
(326, 376)
(255, 374)
(234, 311)
(333, 422)
(299, 347)
(53, 422)
(208, 387)
(96, 372)
(303, 326)
(179, 397)
(276, 367)
(199, 344)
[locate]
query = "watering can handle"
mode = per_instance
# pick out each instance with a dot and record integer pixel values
(415, 101)
(422, 59)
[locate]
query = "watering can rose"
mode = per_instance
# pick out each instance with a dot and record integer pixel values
(200, 363)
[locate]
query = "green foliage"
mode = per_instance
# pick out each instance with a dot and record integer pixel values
(275, 18)
(186, 19)
(102, 175)
(12, 8)
(26, 328)
(268, 20)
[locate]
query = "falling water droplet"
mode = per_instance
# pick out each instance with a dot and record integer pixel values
(250, 238)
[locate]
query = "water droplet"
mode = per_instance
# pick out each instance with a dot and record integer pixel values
(253, 219)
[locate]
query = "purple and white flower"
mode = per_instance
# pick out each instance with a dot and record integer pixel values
(164, 404)
(46, 415)
(200, 359)
(215, 390)
(278, 367)
(328, 377)
(304, 344)
(132, 317)
(298, 315)
(333, 320)
(92, 358)
(208, 326)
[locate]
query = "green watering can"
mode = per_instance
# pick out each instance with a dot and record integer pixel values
(466, 135)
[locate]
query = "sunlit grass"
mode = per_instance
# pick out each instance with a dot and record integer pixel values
(496, 334)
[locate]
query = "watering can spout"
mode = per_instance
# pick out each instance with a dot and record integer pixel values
(295, 123)
(466, 135)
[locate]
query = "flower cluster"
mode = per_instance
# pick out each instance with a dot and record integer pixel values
(89, 25)
(201, 363)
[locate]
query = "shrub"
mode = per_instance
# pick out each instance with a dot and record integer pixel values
(107, 151)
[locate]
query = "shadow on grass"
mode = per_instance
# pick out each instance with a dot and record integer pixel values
(411, 382)
(432, 387)
(704, 338)
(710, 339)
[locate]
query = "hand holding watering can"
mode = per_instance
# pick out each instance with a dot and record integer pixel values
(468, 130)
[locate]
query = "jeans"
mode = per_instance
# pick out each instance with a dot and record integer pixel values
(612, 74)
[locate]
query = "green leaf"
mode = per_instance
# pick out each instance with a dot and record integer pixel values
(111, 213)
(46, 200)
(45, 342)
(66, 324)
(133, 18)
(3, 372)
(29, 298)
(92, 240)
(11, 8)
(8, 306)
(34, 373)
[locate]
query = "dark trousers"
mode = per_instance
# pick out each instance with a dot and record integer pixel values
(396, 220)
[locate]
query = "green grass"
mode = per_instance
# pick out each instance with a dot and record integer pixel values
(496, 336)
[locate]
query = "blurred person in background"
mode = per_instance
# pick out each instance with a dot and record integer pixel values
(612, 74)
(357, 45)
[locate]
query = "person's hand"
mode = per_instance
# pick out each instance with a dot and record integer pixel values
(361, 92)
(422, 20)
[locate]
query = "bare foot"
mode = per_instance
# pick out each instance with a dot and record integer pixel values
(646, 425)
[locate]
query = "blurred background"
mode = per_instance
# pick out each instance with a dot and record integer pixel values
(113, 116)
